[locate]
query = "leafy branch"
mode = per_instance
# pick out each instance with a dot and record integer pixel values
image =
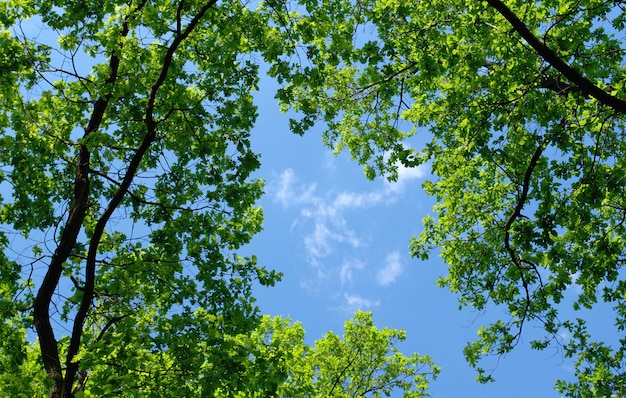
(73, 225)
(151, 126)
(553, 59)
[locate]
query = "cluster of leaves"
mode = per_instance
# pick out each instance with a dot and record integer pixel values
(522, 105)
(125, 166)
(364, 363)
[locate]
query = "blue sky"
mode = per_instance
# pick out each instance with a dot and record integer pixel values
(342, 243)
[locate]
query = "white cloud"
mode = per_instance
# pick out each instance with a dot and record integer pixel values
(326, 213)
(391, 271)
(564, 336)
(285, 193)
(329, 161)
(351, 200)
(324, 220)
(347, 268)
(318, 243)
(405, 175)
(578, 289)
(412, 173)
(355, 303)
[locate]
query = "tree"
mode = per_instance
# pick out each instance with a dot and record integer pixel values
(126, 190)
(364, 363)
(522, 111)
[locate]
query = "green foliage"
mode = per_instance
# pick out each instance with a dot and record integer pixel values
(125, 172)
(364, 362)
(521, 108)
(125, 169)
(23, 377)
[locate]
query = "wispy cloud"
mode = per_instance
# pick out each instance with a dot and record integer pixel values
(287, 194)
(574, 286)
(319, 243)
(352, 200)
(405, 175)
(334, 246)
(355, 303)
(326, 212)
(348, 267)
(391, 270)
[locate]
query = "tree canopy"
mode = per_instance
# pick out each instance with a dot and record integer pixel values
(364, 362)
(521, 108)
(126, 167)
(126, 194)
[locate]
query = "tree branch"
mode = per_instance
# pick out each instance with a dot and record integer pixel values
(560, 87)
(78, 209)
(585, 85)
(151, 125)
(507, 232)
